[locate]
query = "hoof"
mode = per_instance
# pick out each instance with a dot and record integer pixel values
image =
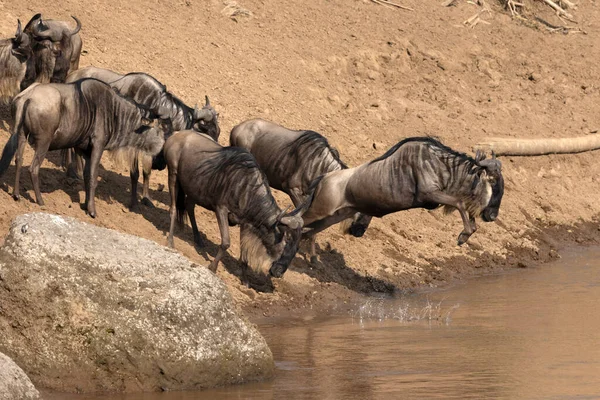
(213, 267)
(277, 271)
(314, 260)
(147, 202)
(171, 244)
(16, 197)
(92, 214)
(462, 238)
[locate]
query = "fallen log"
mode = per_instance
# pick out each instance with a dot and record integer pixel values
(538, 147)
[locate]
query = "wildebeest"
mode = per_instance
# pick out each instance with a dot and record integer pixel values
(42, 52)
(149, 92)
(292, 160)
(86, 115)
(418, 172)
(228, 181)
(14, 53)
(56, 48)
(54, 30)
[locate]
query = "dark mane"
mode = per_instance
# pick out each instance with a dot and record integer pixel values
(175, 104)
(145, 112)
(235, 168)
(430, 141)
(310, 145)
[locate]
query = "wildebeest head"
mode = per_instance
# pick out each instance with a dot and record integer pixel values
(41, 32)
(21, 44)
(274, 247)
(492, 174)
(289, 230)
(15, 54)
(206, 120)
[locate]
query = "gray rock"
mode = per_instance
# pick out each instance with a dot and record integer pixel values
(84, 308)
(14, 384)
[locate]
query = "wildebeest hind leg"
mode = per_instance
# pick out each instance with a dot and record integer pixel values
(221, 213)
(19, 163)
(190, 210)
(94, 162)
(41, 149)
(447, 200)
(173, 207)
(313, 249)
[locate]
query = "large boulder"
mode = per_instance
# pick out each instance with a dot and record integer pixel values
(84, 308)
(14, 384)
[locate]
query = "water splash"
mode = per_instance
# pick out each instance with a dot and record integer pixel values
(404, 311)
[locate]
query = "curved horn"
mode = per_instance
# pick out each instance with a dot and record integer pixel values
(46, 33)
(491, 164)
(282, 214)
(292, 222)
(19, 30)
(207, 101)
(493, 155)
(479, 156)
(31, 21)
(77, 28)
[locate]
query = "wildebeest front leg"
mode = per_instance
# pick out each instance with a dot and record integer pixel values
(41, 149)
(318, 226)
(146, 171)
(473, 224)
(447, 200)
(134, 174)
(94, 162)
(222, 214)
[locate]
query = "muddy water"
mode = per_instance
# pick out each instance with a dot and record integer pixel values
(528, 334)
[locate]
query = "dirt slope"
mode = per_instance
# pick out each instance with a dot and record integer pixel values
(365, 76)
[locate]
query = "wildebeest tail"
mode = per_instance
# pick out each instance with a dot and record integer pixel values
(13, 142)
(180, 203)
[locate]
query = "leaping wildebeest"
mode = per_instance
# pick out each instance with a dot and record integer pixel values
(149, 92)
(228, 181)
(292, 160)
(418, 172)
(86, 115)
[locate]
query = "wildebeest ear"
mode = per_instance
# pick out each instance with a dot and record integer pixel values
(207, 103)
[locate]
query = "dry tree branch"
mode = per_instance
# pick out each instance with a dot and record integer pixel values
(390, 4)
(558, 9)
(475, 19)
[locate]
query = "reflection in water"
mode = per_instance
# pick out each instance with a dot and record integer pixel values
(528, 334)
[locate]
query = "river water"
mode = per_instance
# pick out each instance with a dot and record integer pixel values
(527, 334)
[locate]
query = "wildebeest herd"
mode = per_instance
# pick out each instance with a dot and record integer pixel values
(83, 112)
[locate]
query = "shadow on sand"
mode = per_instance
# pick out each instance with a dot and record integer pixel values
(115, 187)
